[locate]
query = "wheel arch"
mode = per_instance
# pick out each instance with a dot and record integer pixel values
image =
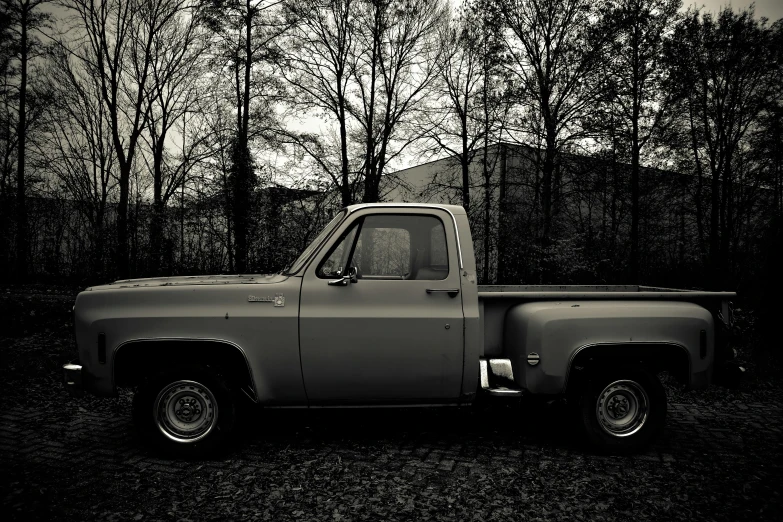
(656, 356)
(136, 359)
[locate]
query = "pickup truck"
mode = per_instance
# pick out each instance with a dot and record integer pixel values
(383, 309)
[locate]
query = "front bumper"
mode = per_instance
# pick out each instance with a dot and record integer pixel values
(72, 379)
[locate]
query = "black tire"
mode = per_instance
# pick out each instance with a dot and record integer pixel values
(186, 412)
(622, 410)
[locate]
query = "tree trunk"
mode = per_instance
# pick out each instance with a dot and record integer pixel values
(465, 163)
(714, 260)
(182, 265)
(699, 188)
(546, 206)
(634, 258)
(370, 185)
(241, 202)
(156, 222)
(97, 245)
(487, 173)
(122, 222)
(635, 152)
(21, 203)
(229, 205)
(241, 157)
(502, 217)
(546, 189)
(487, 224)
(727, 223)
(156, 238)
(345, 188)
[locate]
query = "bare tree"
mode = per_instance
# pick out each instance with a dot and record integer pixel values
(79, 149)
(216, 120)
(113, 40)
(766, 139)
(556, 58)
(396, 52)
(466, 113)
(245, 31)
(636, 84)
(8, 132)
(453, 121)
(365, 66)
(25, 17)
(176, 66)
(495, 109)
(727, 73)
(318, 66)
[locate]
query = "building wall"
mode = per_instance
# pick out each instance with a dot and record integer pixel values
(440, 181)
(589, 243)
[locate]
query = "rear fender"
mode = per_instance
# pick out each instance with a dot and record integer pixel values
(546, 340)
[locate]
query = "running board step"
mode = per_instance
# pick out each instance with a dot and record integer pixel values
(497, 378)
(503, 392)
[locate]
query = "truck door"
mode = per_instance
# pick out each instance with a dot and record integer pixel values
(381, 314)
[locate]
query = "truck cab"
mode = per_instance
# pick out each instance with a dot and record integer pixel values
(382, 309)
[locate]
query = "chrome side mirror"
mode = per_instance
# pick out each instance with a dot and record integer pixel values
(350, 277)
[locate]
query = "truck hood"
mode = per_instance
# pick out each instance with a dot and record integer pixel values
(231, 279)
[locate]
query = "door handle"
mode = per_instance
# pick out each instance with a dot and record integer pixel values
(451, 291)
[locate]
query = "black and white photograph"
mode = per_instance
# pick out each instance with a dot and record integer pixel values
(391, 260)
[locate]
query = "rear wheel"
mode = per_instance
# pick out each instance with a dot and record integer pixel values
(622, 410)
(185, 412)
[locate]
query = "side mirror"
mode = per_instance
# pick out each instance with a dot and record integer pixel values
(351, 277)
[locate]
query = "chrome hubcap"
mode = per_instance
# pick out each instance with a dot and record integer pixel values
(622, 408)
(185, 411)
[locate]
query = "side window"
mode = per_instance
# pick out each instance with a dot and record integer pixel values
(383, 252)
(335, 263)
(439, 255)
(391, 246)
(432, 261)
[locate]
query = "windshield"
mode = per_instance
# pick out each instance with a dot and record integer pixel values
(302, 259)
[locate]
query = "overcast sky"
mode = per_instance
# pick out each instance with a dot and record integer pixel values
(772, 9)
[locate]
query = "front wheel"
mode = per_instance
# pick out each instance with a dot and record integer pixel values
(189, 412)
(622, 411)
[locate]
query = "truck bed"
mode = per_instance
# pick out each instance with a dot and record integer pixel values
(495, 300)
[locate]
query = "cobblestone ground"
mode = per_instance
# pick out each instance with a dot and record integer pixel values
(79, 459)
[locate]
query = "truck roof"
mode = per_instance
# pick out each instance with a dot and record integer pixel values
(454, 209)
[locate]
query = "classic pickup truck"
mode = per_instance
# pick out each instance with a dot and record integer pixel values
(383, 309)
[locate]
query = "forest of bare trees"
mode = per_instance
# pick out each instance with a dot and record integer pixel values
(163, 137)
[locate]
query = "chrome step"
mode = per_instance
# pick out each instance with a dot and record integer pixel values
(497, 378)
(503, 392)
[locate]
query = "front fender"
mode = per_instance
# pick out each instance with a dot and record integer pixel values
(242, 315)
